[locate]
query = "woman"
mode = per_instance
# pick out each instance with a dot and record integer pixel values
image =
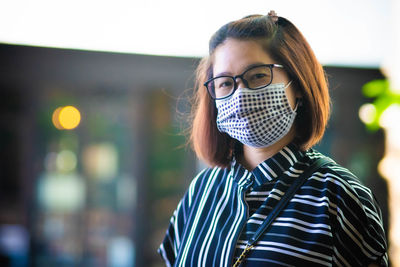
(262, 103)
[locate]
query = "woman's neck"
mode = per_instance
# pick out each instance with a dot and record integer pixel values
(253, 156)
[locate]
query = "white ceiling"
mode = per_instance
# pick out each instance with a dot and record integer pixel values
(341, 32)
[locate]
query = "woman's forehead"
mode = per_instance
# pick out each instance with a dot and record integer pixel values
(235, 55)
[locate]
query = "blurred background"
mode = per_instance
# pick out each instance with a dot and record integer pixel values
(94, 104)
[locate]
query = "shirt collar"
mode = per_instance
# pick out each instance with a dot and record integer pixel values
(270, 169)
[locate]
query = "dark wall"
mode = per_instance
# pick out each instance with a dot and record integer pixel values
(32, 66)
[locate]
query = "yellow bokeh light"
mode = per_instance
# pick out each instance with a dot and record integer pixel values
(66, 118)
(69, 117)
(55, 119)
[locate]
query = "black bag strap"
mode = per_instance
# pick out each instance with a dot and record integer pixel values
(298, 182)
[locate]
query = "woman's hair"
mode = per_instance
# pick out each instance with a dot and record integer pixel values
(285, 44)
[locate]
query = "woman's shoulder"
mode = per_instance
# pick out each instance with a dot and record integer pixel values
(353, 207)
(331, 168)
(210, 172)
(341, 184)
(208, 177)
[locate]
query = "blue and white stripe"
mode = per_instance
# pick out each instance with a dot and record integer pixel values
(332, 220)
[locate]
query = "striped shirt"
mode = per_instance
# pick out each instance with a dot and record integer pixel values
(333, 220)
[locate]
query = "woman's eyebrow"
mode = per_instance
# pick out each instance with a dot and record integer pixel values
(227, 73)
(254, 65)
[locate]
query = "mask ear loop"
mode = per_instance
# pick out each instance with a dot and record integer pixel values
(288, 84)
(299, 103)
(298, 99)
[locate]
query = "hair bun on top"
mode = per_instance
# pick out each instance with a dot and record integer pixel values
(272, 14)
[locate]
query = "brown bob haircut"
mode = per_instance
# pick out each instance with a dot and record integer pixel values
(285, 44)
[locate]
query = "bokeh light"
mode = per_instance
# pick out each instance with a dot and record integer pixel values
(367, 113)
(100, 161)
(66, 118)
(55, 119)
(61, 192)
(69, 117)
(66, 161)
(390, 117)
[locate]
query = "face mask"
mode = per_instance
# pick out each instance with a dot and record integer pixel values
(257, 118)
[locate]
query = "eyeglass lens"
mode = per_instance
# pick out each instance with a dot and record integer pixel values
(254, 78)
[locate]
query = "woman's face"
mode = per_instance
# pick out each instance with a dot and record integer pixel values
(234, 56)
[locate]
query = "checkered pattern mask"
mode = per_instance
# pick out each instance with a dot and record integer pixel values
(258, 118)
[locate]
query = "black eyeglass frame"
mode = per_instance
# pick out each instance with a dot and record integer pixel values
(235, 85)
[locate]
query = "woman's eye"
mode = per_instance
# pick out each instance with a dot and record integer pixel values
(224, 84)
(259, 76)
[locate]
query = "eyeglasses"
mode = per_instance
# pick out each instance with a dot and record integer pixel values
(254, 78)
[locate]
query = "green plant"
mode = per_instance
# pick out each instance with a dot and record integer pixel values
(384, 96)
